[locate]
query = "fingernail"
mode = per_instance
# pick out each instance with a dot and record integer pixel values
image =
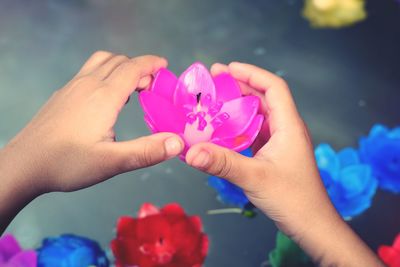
(201, 160)
(173, 146)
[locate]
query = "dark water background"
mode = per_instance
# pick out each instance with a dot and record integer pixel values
(344, 81)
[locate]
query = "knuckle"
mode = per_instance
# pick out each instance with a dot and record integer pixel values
(282, 82)
(224, 166)
(128, 65)
(144, 58)
(123, 58)
(146, 157)
(101, 54)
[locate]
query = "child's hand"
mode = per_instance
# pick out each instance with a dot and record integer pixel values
(70, 144)
(282, 179)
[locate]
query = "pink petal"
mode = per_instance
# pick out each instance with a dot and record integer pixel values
(147, 209)
(161, 114)
(173, 209)
(227, 88)
(27, 258)
(8, 247)
(153, 128)
(246, 139)
(241, 113)
(164, 84)
(196, 79)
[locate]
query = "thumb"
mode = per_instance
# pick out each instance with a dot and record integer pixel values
(143, 152)
(225, 163)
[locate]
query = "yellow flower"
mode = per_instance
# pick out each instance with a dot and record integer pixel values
(334, 13)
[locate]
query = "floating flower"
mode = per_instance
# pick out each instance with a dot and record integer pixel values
(390, 255)
(71, 251)
(287, 253)
(381, 150)
(164, 237)
(201, 108)
(11, 254)
(350, 183)
(229, 193)
(334, 13)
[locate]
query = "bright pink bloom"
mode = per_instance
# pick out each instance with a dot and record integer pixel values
(164, 237)
(202, 108)
(390, 255)
(11, 254)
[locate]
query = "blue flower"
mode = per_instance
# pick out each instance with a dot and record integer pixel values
(349, 183)
(381, 150)
(71, 251)
(229, 193)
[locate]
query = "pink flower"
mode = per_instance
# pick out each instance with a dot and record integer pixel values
(202, 108)
(11, 254)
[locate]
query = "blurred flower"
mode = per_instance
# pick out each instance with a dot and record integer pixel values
(202, 108)
(229, 193)
(390, 255)
(350, 184)
(71, 251)
(287, 253)
(11, 254)
(381, 150)
(334, 13)
(164, 237)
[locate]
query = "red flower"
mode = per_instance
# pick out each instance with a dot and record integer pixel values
(164, 237)
(391, 255)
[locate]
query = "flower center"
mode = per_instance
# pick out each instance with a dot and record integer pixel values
(202, 121)
(161, 252)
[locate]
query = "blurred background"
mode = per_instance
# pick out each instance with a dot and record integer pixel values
(344, 80)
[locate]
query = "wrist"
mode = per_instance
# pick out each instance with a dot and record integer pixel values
(18, 186)
(330, 241)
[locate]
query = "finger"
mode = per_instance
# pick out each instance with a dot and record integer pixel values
(126, 77)
(109, 66)
(94, 61)
(282, 111)
(218, 68)
(142, 152)
(225, 163)
(145, 82)
(247, 90)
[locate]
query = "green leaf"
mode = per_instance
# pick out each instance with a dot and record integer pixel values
(287, 253)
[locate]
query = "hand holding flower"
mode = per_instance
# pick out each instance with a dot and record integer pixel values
(282, 179)
(70, 144)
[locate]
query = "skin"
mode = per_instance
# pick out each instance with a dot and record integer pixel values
(70, 144)
(282, 179)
